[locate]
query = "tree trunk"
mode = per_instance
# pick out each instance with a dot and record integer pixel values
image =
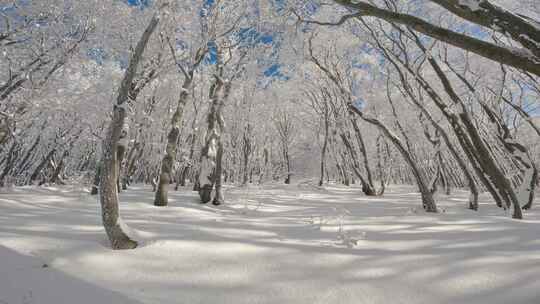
(516, 58)
(95, 184)
(109, 171)
(452, 119)
(428, 201)
(209, 152)
(172, 146)
(9, 163)
(108, 189)
(42, 165)
(288, 166)
(219, 198)
(28, 154)
(367, 188)
(246, 149)
(324, 148)
(363, 150)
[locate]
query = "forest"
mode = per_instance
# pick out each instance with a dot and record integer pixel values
(269, 151)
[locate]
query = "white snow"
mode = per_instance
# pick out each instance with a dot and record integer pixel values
(524, 190)
(124, 138)
(207, 167)
(473, 5)
(271, 244)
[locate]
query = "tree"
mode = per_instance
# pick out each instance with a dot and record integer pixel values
(115, 228)
(286, 129)
(482, 13)
(172, 138)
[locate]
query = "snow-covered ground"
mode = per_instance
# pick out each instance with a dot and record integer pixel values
(275, 244)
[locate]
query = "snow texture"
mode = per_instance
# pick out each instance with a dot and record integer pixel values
(271, 244)
(473, 5)
(207, 169)
(124, 138)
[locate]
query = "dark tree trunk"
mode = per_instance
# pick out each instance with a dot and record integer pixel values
(42, 165)
(9, 163)
(95, 184)
(219, 198)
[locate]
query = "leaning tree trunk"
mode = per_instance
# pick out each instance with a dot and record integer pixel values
(25, 163)
(522, 30)
(108, 188)
(495, 176)
(10, 163)
(109, 170)
(367, 187)
(55, 178)
(370, 190)
(468, 136)
(42, 165)
(130, 159)
(428, 202)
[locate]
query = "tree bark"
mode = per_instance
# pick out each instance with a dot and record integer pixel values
(9, 163)
(167, 163)
(116, 230)
(108, 189)
(219, 198)
(95, 183)
(325, 145)
(489, 15)
(428, 201)
(518, 59)
(209, 152)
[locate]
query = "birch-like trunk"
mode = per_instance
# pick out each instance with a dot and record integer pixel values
(209, 151)
(116, 230)
(161, 198)
(219, 198)
(108, 190)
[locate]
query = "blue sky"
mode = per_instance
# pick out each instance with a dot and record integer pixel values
(248, 36)
(140, 3)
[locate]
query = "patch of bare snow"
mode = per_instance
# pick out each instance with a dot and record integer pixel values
(367, 249)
